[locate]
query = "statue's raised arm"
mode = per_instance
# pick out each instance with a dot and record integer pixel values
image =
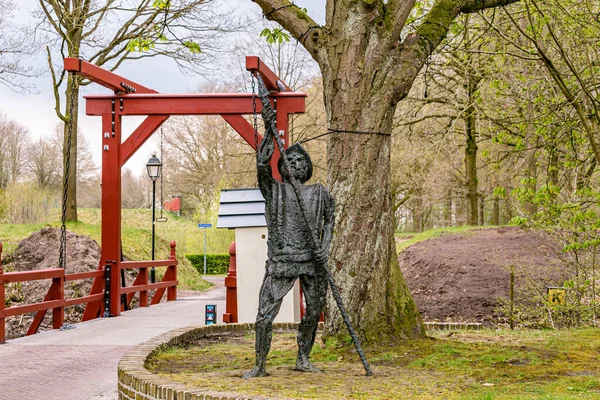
(267, 145)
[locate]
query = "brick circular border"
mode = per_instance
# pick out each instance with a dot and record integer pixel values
(137, 383)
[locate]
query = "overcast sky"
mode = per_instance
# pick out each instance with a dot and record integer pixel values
(36, 111)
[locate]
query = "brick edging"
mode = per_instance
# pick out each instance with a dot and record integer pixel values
(135, 382)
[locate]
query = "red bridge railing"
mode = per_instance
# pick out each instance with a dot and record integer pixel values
(55, 297)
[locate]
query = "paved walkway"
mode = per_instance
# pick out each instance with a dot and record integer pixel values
(81, 363)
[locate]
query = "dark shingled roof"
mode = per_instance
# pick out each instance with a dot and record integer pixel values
(241, 208)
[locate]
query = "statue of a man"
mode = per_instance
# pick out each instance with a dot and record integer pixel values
(291, 251)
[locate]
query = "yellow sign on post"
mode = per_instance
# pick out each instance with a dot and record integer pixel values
(557, 296)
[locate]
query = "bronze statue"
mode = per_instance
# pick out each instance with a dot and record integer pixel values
(292, 252)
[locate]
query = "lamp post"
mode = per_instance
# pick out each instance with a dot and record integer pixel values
(154, 167)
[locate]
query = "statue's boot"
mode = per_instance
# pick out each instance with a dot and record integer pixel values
(262, 347)
(306, 340)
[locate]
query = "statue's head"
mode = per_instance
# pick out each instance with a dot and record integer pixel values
(300, 164)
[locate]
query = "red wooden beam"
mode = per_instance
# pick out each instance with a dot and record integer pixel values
(242, 127)
(39, 317)
(150, 286)
(253, 64)
(26, 276)
(147, 264)
(83, 275)
(139, 136)
(190, 104)
(18, 310)
(108, 79)
(84, 299)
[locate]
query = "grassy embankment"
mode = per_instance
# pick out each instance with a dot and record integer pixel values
(486, 365)
(136, 236)
(404, 240)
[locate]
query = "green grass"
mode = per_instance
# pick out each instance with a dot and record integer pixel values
(404, 240)
(488, 364)
(137, 239)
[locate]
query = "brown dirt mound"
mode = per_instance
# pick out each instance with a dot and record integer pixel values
(461, 277)
(41, 251)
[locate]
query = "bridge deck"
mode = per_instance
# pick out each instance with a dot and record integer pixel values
(81, 363)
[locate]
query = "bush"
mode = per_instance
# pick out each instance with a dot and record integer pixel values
(216, 264)
(25, 203)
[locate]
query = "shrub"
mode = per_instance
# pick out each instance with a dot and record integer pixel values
(216, 264)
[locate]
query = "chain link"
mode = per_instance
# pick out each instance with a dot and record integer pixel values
(63, 228)
(254, 112)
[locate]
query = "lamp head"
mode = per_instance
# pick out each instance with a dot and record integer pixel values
(154, 167)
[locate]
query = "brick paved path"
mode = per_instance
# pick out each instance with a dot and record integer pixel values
(81, 363)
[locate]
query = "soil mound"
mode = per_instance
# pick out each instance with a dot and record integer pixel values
(41, 251)
(464, 277)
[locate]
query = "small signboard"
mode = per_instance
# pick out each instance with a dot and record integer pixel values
(210, 314)
(557, 296)
(204, 225)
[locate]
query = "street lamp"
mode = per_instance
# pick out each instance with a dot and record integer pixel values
(153, 166)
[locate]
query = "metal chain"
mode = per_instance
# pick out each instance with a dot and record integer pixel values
(63, 228)
(254, 112)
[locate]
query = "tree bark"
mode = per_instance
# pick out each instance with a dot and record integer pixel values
(367, 69)
(448, 209)
(496, 218)
(71, 157)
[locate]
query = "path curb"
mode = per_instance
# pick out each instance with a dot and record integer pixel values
(135, 382)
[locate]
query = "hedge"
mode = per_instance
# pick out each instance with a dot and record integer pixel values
(216, 264)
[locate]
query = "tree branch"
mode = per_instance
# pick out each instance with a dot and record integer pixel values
(55, 87)
(419, 45)
(295, 21)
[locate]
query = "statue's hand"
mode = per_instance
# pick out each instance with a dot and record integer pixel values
(321, 255)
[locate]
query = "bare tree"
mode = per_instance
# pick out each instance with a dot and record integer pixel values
(86, 167)
(14, 139)
(16, 43)
(44, 163)
(202, 155)
(109, 32)
(134, 190)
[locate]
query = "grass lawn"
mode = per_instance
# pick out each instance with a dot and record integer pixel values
(137, 239)
(488, 364)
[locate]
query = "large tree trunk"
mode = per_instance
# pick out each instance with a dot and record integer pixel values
(71, 156)
(363, 257)
(471, 166)
(472, 83)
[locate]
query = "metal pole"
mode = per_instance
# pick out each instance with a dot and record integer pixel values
(204, 251)
(152, 272)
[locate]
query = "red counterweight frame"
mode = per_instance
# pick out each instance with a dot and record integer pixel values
(131, 98)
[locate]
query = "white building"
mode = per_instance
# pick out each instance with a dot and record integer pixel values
(244, 211)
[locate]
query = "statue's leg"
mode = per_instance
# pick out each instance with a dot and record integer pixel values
(315, 290)
(269, 303)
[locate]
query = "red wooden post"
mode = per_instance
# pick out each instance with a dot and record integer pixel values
(172, 271)
(2, 321)
(231, 308)
(111, 202)
(143, 278)
(58, 293)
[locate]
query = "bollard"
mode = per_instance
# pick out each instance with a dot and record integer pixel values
(172, 274)
(231, 308)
